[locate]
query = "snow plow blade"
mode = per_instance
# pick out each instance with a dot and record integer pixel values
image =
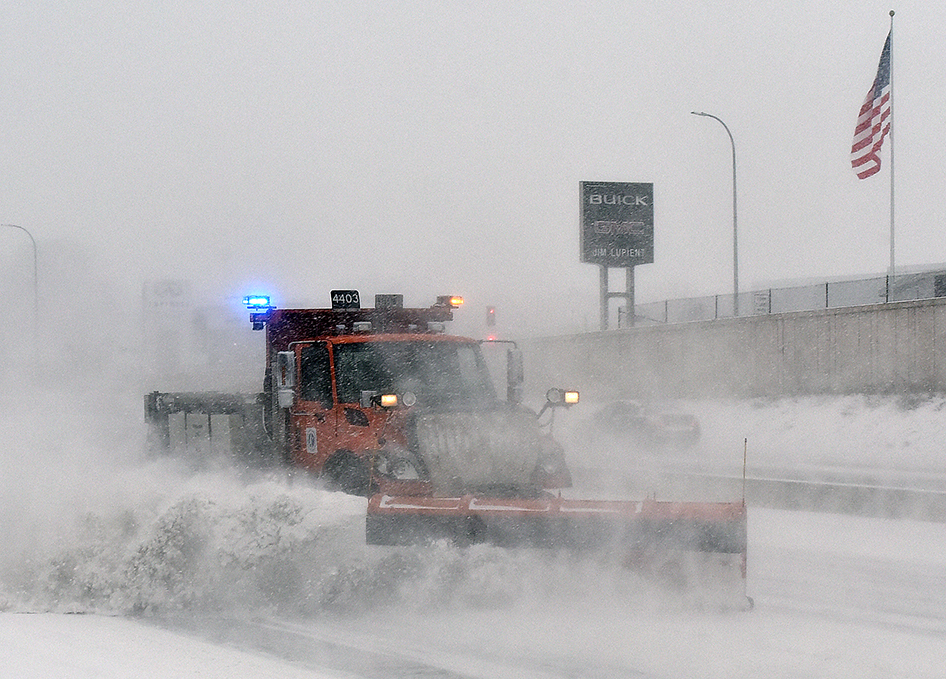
(558, 523)
(680, 542)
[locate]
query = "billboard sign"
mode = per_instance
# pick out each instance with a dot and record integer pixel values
(617, 223)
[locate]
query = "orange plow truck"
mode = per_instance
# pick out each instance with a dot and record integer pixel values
(382, 402)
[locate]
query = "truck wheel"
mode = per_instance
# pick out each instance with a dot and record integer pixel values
(348, 474)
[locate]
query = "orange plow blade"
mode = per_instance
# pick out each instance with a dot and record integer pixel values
(678, 541)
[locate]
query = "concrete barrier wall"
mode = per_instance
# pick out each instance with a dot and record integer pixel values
(898, 347)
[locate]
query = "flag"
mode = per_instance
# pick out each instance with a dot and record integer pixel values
(873, 122)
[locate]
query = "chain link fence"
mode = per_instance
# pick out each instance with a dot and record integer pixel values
(827, 295)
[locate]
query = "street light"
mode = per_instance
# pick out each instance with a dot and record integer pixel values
(735, 247)
(35, 273)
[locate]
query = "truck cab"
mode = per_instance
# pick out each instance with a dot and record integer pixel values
(383, 400)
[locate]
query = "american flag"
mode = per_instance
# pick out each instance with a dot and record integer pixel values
(873, 122)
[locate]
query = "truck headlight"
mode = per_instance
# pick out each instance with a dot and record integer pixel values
(407, 399)
(561, 397)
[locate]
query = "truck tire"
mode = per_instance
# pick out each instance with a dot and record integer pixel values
(348, 473)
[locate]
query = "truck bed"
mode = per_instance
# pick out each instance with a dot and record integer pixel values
(201, 425)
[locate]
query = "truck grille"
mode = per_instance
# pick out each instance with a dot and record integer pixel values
(467, 451)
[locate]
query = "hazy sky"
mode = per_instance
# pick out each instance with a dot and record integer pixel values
(437, 147)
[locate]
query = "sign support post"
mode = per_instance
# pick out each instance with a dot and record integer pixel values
(603, 284)
(628, 295)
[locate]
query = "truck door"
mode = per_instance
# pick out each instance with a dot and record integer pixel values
(314, 418)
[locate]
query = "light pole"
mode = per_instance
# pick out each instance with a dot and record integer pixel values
(735, 246)
(35, 274)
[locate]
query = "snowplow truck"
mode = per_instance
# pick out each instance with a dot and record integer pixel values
(382, 402)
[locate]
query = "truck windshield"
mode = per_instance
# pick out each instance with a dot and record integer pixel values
(440, 373)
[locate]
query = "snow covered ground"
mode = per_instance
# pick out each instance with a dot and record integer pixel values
(119, 566)
(833, 600)
(82, 647)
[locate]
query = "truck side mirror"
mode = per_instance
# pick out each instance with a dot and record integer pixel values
(514, 375)
(285, 378)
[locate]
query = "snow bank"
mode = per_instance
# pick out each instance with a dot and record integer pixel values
(857, 434)
(860, 433)
(218, 544)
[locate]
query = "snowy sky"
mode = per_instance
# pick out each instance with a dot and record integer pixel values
(432, 148)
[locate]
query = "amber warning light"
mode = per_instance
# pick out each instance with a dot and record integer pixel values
(452, 301)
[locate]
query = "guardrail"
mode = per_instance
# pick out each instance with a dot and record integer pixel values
(830, 496)
(848, 498)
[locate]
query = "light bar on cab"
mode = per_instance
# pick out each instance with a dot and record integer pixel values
(252, 302)
(260, 310)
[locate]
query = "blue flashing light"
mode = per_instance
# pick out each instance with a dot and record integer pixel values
(260, 310)
(256, 302)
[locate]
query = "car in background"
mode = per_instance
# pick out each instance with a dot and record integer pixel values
(648, 424)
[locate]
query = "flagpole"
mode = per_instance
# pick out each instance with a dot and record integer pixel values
(892, 261)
